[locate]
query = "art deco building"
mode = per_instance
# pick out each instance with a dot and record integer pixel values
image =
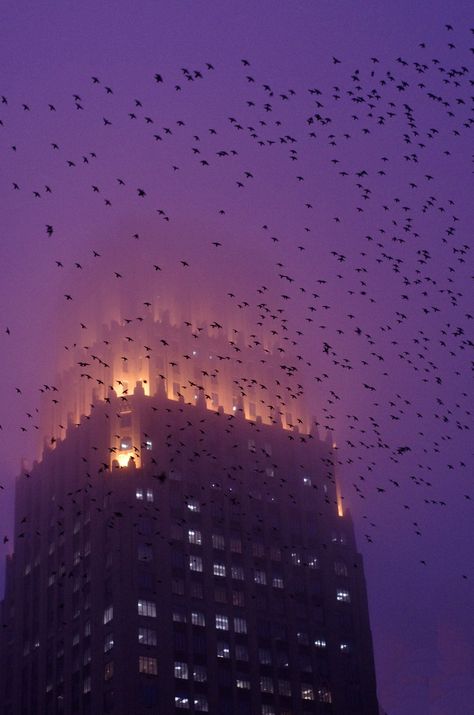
(180, 545)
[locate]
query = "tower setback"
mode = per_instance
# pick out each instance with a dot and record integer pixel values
(170, 557)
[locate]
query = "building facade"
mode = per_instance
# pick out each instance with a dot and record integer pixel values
(171, 557)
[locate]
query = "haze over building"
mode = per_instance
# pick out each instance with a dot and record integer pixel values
(181, 544)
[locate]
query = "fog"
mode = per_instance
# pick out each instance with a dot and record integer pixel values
(316, 200)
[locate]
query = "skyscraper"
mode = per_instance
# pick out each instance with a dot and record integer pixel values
(181, 544)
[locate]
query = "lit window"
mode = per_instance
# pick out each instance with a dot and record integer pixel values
(194, 537)
(324, 695)
(147, 608)
(108, 642)
(277, 582)
(147, 665)
(108, 670)
(260, 577)
(198, 619)
(264, 656)
(270, 472)
(148, 444)
(343, 595)
(320, 643)
(195, 563)
(87, 685)
(108, 614)
(243, 684)
(340, 568)
(223, 650)
(266, 685)
(218, 541)
(200, 704)
(149, 495)
(268, 710)
(193, 505)
(241, 653)
(307, 692)
(126, 443)
(199, 674)
(147, 636)
(182, 702)
(252, 445)
(139, 494)
(237, 573)
(240, 625)
(219, 569)
(344, 647)
(222, 622)
(181, 670)
(284, 688)
(313, 563)
(295, 559)
(307, 481)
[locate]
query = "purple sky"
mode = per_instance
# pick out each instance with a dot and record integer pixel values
(396, 314)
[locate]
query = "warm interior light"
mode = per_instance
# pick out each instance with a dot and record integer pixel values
(340, 507)
(123, 458)
(128, 383)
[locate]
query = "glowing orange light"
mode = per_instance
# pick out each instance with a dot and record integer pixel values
(123, 458)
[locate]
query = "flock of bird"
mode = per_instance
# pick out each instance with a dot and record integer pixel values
(362, 238)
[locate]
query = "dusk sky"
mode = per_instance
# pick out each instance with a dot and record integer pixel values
(312, 158)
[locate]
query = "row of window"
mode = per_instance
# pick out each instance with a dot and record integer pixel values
(183, 702)
(149, 666)
(148, 609)
(147, 636)
(258, 550)
(195, 537)
(145, 495)
(182, 672)
(235, 572)
(126, 443)
(222, 624)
